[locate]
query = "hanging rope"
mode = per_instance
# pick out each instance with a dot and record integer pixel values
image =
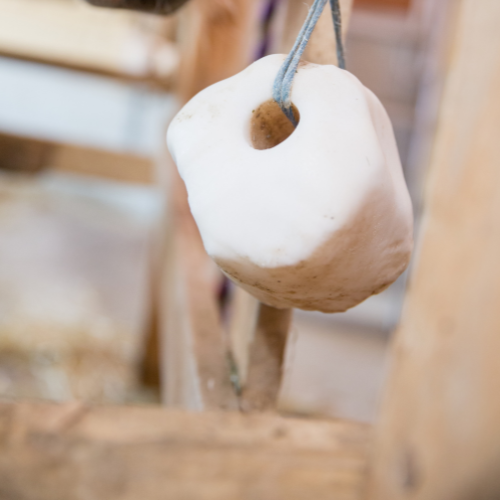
(282, 86)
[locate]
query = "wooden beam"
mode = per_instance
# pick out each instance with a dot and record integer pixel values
(69, 452)
(79, 36)
(439, 432)
(25, 154)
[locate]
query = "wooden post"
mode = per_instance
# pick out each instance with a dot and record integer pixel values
(244, 313)
(266, 357)
(439, 433)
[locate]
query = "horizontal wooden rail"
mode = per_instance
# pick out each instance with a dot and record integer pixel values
(66, 452)
(79, 36)
(25, 154)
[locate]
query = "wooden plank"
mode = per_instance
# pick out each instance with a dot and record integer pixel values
(50, 452)
(439, 433)
(105, 164)
(76, 35)
(25, 154)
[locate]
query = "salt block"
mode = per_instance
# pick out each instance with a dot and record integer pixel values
(317, 217)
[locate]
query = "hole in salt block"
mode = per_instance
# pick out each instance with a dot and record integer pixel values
(269, 126)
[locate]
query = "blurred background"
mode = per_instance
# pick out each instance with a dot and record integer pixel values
(86, 95)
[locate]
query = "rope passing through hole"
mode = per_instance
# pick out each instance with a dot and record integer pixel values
(282, 86)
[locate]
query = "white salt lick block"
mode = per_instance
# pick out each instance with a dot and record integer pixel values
(317, 218)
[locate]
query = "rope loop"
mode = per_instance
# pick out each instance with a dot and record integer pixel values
(282, 86)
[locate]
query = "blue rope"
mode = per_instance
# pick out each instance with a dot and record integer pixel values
(337, 25)
(282, 86)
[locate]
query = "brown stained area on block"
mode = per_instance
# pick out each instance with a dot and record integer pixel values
(298, 285)
(269, 126)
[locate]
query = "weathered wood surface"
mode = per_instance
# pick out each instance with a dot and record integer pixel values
(439, 434)
(66, 452)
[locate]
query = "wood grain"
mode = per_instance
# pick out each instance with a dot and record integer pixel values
(70, 452)
(439, 433)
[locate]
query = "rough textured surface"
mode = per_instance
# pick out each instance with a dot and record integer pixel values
(71, 452)
(439, 431)
(321, 221)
